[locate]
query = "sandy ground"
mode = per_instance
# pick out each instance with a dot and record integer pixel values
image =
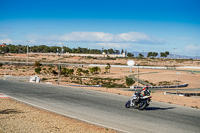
(118, 61)
(16, 117)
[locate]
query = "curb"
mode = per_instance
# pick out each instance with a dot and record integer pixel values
(4, 96)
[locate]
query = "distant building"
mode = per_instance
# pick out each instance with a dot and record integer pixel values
(2, 45)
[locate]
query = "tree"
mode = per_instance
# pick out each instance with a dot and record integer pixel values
(167, 53)
(111, 51)
(117, 51)
(129, 81)
(108, 64)
(164, 54)
(79, 50)
(66, 49)
(47, 49)
(54, 49)
(130, 55)
(13, 48)
(122, 51)
(141, 55)
(105, 50)
(149, 54)
(4, 50)
(154, 54)
(107, 67)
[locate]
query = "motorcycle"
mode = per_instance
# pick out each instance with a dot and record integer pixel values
(138, 101)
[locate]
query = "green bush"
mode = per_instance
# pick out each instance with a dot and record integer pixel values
(129, 81)
(37, 70)
(43, 79)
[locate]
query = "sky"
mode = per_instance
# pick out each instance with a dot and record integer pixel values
(134, 25)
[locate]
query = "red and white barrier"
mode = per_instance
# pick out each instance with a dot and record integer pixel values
(4, 96)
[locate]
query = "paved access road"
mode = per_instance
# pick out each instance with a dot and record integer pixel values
(105, 109)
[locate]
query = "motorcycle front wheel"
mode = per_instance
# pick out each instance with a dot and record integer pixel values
(142, 104)
(127, 105)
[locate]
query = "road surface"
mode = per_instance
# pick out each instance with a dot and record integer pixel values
(105, 109)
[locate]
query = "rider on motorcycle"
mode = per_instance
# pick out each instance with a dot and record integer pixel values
(144, 92)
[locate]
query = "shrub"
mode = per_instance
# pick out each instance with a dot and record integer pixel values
(94, 70)
(129, 81)
(43, 79)
(164, 83)
(54, 72)
(37, 70)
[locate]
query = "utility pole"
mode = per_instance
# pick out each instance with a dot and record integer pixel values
(58, 66)
(174, 57)
(59, 54)
(138, 75)
(27, 53)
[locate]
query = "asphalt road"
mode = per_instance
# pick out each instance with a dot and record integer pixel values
(105, 109)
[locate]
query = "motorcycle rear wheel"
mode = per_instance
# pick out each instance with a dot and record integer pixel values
(142, 104)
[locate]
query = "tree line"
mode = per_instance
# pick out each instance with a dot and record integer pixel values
(150, 54)
(54, 49)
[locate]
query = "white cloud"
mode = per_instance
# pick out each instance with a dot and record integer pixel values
(6, 40)
(100, 37)
(192, 47)
(133, 37)
(112, 45)
(88, 37)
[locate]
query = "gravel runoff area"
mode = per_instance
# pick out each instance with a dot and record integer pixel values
(16, 117)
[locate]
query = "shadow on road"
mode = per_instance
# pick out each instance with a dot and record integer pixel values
(158, 108)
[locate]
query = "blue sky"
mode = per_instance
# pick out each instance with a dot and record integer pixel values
(135, 25)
